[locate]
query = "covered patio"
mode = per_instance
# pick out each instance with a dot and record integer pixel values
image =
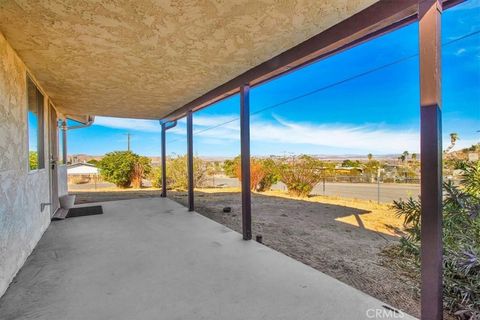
(153, 259)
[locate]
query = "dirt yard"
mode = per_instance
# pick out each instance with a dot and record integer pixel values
(342, 238)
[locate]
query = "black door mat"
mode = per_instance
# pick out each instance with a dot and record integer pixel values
(84, 211)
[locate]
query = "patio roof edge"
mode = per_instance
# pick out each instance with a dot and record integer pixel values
(376, 20)
(379, 18)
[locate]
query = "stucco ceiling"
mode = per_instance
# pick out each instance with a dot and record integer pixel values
(146, 58)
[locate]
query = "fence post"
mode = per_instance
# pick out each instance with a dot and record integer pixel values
(378, 186)
(324, 184)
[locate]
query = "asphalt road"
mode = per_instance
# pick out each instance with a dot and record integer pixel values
(366, 191)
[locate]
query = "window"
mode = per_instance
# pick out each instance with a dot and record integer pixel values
(61, 160)
(35, 127)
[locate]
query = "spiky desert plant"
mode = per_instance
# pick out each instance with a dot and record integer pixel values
(461, 240)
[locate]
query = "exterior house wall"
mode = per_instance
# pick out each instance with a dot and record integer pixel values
(22, 223)
(62, 180)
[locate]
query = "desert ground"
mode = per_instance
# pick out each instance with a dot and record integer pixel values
(341, 237)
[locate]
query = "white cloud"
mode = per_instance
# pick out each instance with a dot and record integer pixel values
(372, 138)
(209, 121)
(128, 124)
(377, 139)
(460, 51)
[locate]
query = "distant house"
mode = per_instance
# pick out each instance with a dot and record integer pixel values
(82, 169)
(80, 173)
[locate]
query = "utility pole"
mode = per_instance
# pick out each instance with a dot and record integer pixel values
(128, 140)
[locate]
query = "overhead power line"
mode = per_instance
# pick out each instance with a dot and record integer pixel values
(353, 77)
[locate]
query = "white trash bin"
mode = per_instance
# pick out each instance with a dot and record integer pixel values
(67, 201)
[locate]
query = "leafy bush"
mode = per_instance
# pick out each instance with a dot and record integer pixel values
(121, 167)
(461, 240)
(270, 175)
(93, 161)
(156, 177)
(33, 160)
(256, 173)
(141, 169)
(230, 167)
(300, 174)
(263, 173)
(177, 173)
(351, 164)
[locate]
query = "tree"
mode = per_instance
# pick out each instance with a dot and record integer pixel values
(414, 156)
(256, 173)
(404, 156)
(93, 161)
(353, 164)
(263, 173)
(229, 167)
(156, 177)
(300, 174)
(141, 169)
(270, 176)
(118, 167)
(370, 156)
(371, 169)
(177, 173)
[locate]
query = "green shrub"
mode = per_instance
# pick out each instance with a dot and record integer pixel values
(33, 160)
(461, 241)
(230, 167)
(177, 173)
(256, 173)
(263, 173)
(93, 161)
(270, 175)
(300, 174)
(121, 167)
(156, 177)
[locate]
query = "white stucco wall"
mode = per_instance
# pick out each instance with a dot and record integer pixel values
(21, 192)
(62, 180)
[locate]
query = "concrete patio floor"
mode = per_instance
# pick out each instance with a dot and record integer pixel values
(152, 259)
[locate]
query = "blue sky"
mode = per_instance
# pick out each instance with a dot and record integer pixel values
(363, 100)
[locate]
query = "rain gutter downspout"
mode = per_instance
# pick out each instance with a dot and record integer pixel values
(90, 121)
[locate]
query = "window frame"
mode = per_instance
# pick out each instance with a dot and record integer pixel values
(40, 101)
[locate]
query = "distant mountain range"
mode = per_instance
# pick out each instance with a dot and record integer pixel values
(74, 158)
(459, 154)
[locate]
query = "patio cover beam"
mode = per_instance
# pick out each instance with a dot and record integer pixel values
(245, 161)
(165, 127)
(431, 159)
(191, 206)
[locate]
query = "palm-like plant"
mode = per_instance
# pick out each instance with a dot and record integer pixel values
(461, 239)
